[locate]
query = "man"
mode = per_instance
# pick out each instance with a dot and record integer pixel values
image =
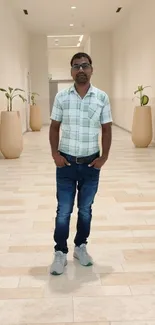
(81, 111)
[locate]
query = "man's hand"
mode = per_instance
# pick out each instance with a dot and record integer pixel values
(60, 161)
(98, 162)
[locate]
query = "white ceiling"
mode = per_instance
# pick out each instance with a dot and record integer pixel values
(62, 41)
(53, 17)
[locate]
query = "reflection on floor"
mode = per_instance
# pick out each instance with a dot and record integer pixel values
(120, 288)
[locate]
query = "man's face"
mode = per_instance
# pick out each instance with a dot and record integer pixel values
(81, 71)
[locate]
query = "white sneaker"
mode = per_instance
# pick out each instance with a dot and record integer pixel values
(59, 263)
(81, 254)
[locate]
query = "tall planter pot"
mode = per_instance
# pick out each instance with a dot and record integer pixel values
(35, 118)
(11, 138)
(142, 126)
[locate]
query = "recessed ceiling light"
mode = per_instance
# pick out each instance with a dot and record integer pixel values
(71, 25)
(73, 7)
(62, 36)
(25, 11)
(119, 9)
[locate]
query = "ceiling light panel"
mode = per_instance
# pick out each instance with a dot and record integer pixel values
(64, 41)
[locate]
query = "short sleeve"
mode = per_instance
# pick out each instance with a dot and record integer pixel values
(56, 114)
(106, 115)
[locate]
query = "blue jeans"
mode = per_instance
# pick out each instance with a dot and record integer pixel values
(69, 179)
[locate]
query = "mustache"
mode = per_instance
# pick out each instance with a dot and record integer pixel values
(82, 74)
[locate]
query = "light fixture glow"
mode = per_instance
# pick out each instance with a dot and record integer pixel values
(62, 36)
(71, 25)
(81, 38)
(73, 7)
(78, 44)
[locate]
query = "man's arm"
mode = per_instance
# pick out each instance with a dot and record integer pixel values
(106, 123)
(54, 142)
(106, 139)
(56, 119)
(54, 137)
(54, 133)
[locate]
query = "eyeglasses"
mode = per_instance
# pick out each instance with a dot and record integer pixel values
(84, 66)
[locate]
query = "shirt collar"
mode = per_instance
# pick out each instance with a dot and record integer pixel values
(91, 89)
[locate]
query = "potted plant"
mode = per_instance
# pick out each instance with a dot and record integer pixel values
(35, 114)
(11, 139)
(142, 121)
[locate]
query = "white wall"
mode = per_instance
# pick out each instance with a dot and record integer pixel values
(39, 73)
(64, 85)
(98, 46)
(133, 48)
(14, 61)
(59, 62)
(87, 47)
(100, 51)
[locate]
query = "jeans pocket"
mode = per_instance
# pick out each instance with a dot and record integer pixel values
(96, 168)
(60, 167)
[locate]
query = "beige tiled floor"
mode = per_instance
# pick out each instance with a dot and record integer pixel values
(120, 288)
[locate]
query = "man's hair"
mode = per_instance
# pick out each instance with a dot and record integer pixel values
(79, 56)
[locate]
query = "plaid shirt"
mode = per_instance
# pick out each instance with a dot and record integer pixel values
(81, 120)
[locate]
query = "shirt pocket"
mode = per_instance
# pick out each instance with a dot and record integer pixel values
(94, 113)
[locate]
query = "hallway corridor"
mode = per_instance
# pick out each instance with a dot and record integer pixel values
(120, 288)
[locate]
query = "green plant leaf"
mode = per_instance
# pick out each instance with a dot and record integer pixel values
(23, 99)
(144, 100)
(7, 95)
(2, 89)
(10, 89)
(18, 89)
(136, 91)
(34, 94)
(147, 87)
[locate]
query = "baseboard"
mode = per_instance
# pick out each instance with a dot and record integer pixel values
(121, 127)
(29, 130)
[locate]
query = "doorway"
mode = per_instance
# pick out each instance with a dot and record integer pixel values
(27, 103)
(53, 89)
(55, 86)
